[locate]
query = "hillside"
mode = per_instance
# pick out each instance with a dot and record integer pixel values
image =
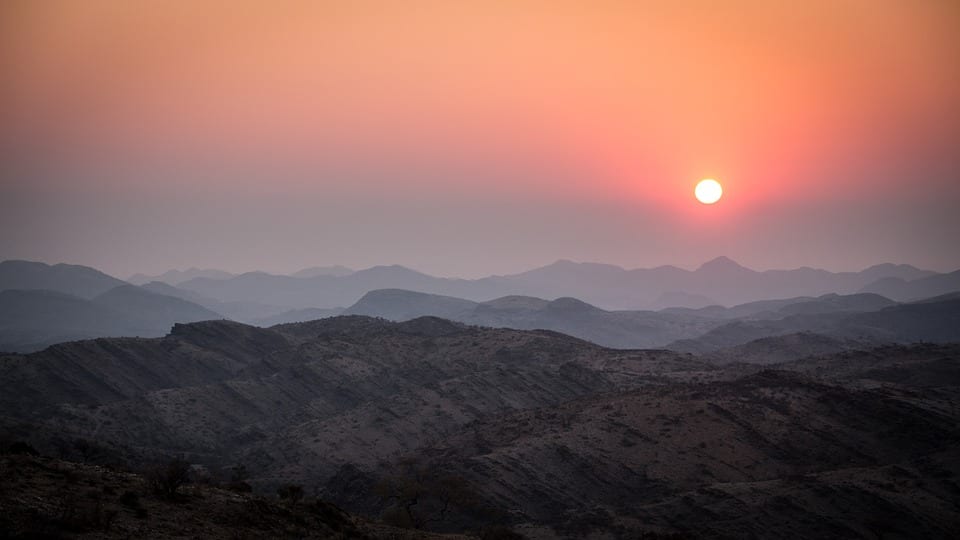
(549, 434)
(785, 348)
(52, 498)
(734, 458)
(223, 390)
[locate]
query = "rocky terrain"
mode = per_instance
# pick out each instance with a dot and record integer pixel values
(442, 426)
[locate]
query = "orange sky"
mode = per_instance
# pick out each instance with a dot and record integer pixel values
(613, 105)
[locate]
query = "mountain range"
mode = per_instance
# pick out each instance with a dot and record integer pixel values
(720, 281)
(175, 277)
(98, 305)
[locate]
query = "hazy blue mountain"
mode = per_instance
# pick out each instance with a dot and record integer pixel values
(619, 329)
(319, 291)
(256, 295)
(81, 281)
(153, 311)
(935, 321)
(34, 319)
(682, 299)
(902, 271)
(832, 303)
(783, 307)
(906, 290)
(401, 305)
(314, 271)
(160, 287)
(175, 277)
(248, 312)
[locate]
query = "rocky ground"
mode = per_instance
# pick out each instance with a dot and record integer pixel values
(440, 426)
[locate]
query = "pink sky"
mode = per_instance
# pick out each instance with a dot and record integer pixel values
(464, 138)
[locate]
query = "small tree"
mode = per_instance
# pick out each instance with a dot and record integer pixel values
(166, 479)
(419, 495)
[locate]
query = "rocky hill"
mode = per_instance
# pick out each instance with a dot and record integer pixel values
(439, 425)
(736, 458)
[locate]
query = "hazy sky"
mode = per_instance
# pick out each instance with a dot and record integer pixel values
(467, 138)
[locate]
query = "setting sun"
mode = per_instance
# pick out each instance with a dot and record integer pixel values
(708, 191)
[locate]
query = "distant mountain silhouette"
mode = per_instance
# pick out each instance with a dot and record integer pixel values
(81, 281)
(682, 299)
(626, 328)
(320, 291)
(247, 312)
(152, 311)
(619, 329)
(905, 290)
(935, 321)
(720, 281)
(401, 305)
(264, 299)
(34, 319)
(175, 277)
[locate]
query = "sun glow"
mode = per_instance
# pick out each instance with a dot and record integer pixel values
(708, 191)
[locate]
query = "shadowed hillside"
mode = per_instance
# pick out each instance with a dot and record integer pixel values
(50, 498)
(545, 433)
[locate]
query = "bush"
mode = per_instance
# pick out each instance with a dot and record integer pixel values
(22, 449)
(290, 492)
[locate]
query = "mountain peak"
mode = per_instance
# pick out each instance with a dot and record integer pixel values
(722, 264)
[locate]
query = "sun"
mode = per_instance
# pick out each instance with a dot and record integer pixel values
(708, 191)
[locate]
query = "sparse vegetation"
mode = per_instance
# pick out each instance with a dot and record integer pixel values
(417, 496)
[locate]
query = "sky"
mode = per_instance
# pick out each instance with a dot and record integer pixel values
(468, 138)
